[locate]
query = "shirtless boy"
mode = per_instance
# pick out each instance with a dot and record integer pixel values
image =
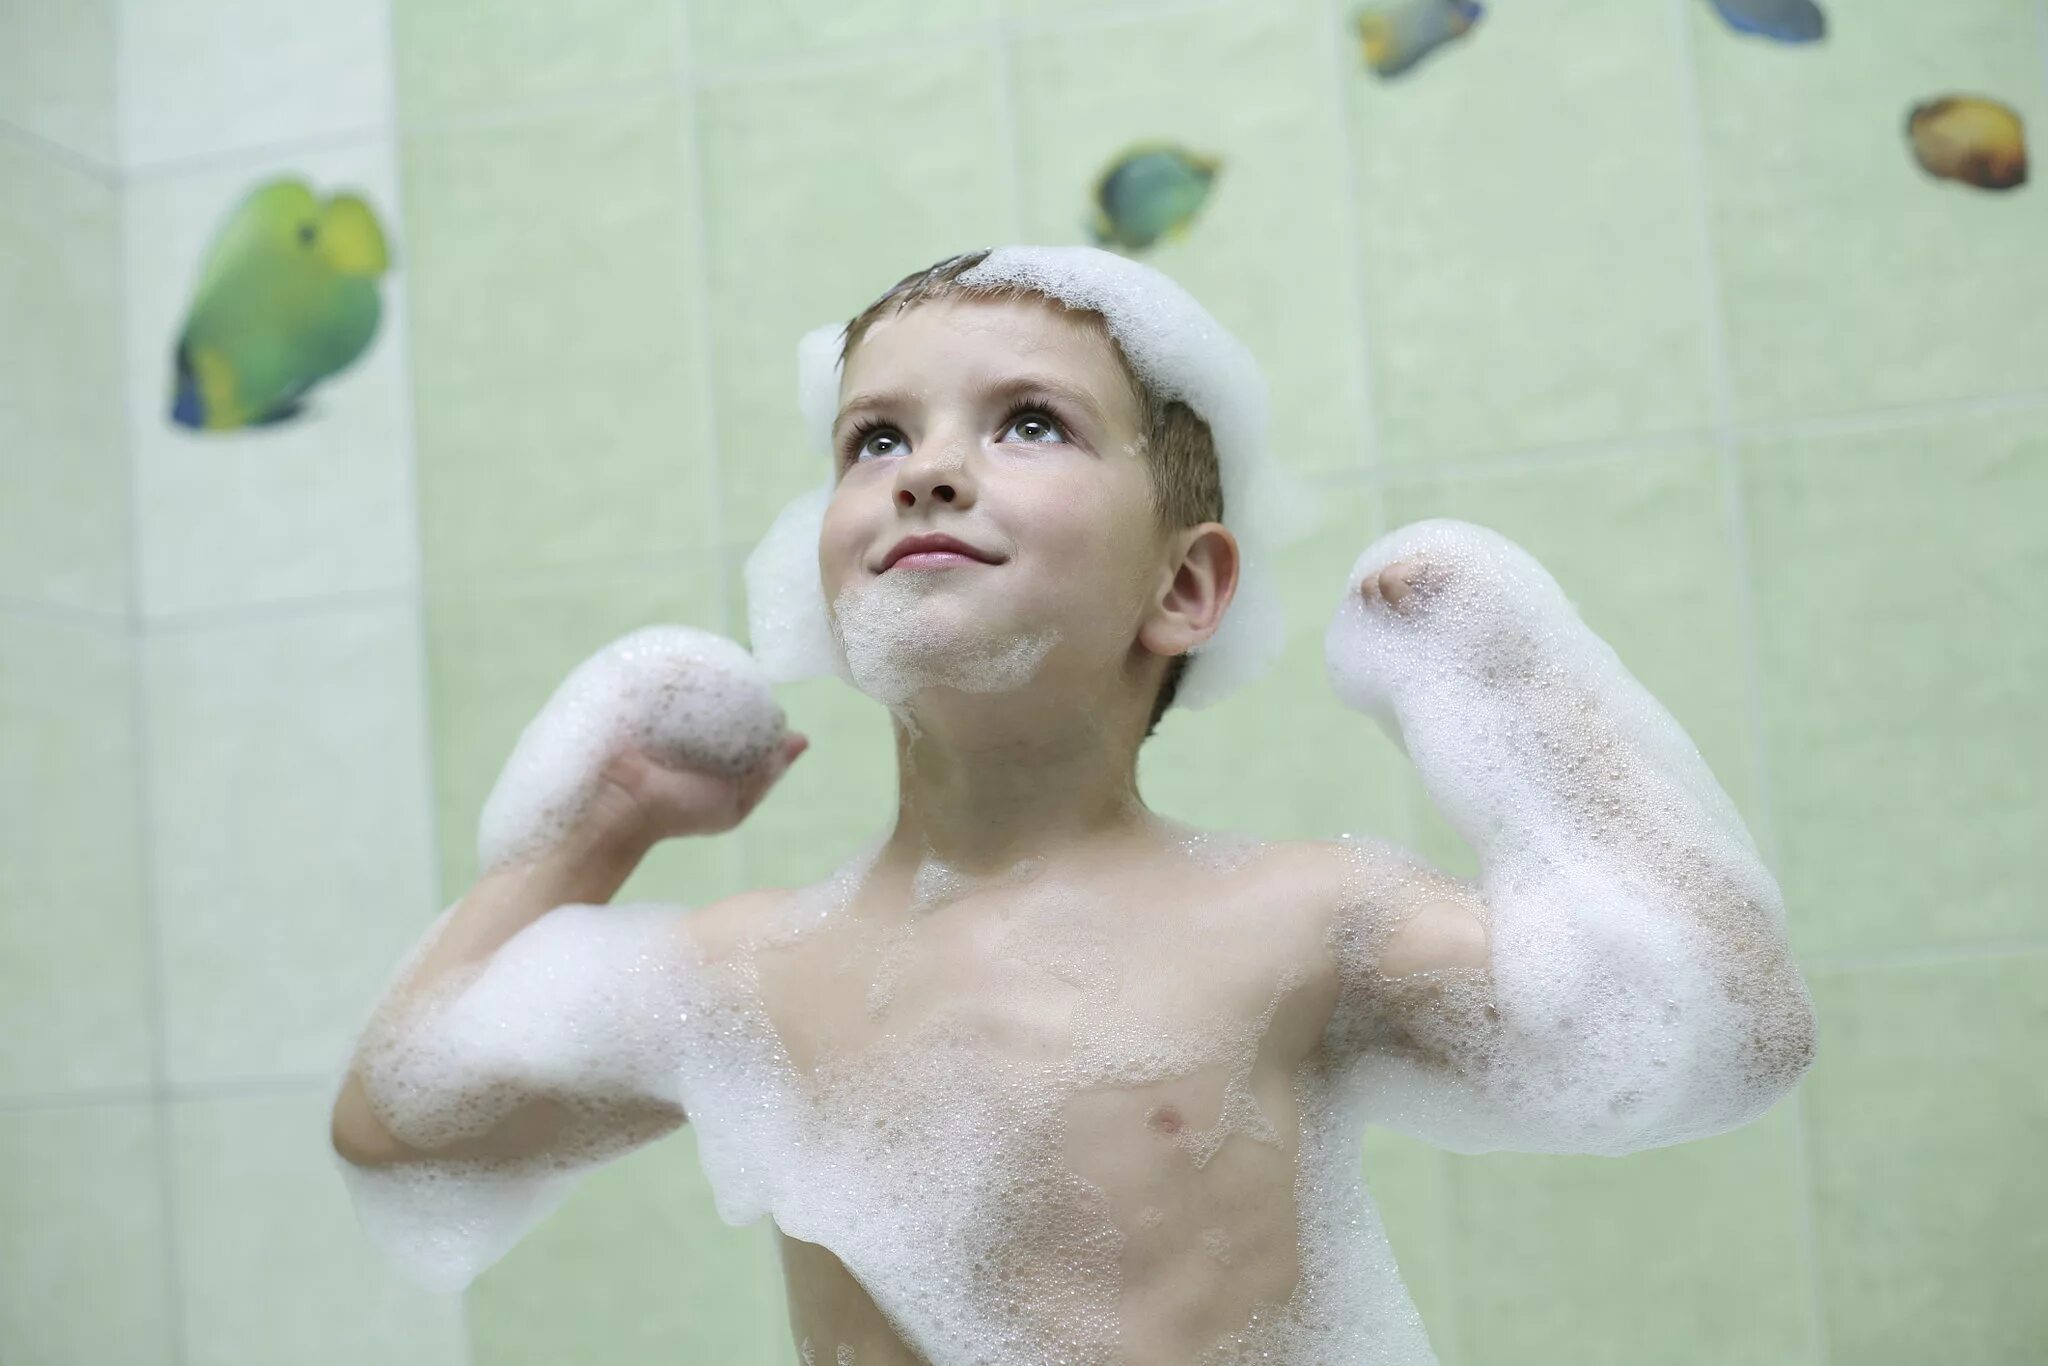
(1043, 1076)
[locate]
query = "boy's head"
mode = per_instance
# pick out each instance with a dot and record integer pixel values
(1087, 502)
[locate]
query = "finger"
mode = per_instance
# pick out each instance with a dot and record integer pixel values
(756, 784)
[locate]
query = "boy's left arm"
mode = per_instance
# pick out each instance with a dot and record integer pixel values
(1618, 975)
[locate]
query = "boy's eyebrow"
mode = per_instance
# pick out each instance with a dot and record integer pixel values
(1007, 389)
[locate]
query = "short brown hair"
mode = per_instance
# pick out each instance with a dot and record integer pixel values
(1180, 451)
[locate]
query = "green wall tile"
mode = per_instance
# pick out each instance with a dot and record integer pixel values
(636, 1269)
(1850, 278)
(1530, 236)
(1268, 254)
(271, 1261)
(1638, 543)
(1928, 1106)
(1902, 645)
(291, 862)
(556, 392)
(57, 75)
(821, 192)
(1282, 759)
(82, 1238)
(725, 35)
(63, 468)
(458, 57)
(74, 926)
(1410, 1185)
(498, 654)
(1681, 1255)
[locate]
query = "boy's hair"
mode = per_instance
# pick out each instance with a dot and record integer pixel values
(1180, 451)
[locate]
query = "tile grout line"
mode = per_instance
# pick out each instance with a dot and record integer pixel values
(70, 157)
(1734, 517)
(690, 146)
(408, 402)
(138, 702)
(1372, 453)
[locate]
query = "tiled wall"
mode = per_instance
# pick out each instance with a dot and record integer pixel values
(1672, 308)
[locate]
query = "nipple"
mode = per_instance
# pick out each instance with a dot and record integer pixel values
(1166, 1119)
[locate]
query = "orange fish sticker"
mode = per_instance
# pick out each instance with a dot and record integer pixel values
(1978, 141)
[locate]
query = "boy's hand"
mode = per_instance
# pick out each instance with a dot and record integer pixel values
(640, 800)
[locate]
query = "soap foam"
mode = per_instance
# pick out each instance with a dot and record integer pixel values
(687, 698)
(1176, 348)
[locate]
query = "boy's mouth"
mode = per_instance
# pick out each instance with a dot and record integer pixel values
(934, 550)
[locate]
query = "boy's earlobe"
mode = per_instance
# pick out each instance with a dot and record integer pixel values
(1198, 594)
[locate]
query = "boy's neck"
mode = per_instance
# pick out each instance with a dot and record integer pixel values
(985, 781)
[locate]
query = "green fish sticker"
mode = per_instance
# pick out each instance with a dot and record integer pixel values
(287, 297)
(1150, 192)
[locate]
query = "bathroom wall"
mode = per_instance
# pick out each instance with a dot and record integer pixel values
(1672, 307)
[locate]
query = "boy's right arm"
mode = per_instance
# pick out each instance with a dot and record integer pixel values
(636, 802)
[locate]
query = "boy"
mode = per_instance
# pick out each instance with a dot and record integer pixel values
(1043, 1077)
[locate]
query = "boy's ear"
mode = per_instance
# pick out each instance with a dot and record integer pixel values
(1201, 586)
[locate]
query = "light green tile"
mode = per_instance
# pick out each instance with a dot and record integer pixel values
(202, 78)
(457, 57)
(1850, 278)
(1268, 254)
(63, 468)
(1282, 759)
(82, 1238)
(74, 927)
(635, 1269)
(1897, 582)
(1530, 235)
(57, 75)
(558, 409)
(822, 191)
(496, 655)
(291, 852)
(1927, 1108)
(272, 1264)
(1638, 543)
(1410, 1186)
(1679, 1255)
(724, 35)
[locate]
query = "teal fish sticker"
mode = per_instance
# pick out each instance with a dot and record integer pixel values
(287, 297)
(1397, 37)
(1151, 192)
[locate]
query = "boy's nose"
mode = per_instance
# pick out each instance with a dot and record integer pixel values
(941, 493)
(942, 476)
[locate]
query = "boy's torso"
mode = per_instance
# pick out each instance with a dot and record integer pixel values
(1091, 1079)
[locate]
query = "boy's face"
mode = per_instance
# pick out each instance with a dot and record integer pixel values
(1008, 426)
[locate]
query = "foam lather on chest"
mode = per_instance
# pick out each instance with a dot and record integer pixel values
(1637, 991)
(1180, 351)
(685, 697)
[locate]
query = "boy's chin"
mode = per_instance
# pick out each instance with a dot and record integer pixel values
(894, 641)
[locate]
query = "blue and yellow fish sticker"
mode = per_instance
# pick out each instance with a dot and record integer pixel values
(1150, 192)
(287, 297)
(1396, 37)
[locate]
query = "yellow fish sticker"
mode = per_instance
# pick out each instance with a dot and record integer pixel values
(287, 297)
(1978, 141)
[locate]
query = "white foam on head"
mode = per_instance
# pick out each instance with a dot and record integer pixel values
(1174, 346)
(685, 697)
(893, 642)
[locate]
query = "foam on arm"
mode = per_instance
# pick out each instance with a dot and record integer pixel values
(1633, 987)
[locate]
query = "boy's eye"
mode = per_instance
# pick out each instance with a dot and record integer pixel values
(881, 441)
(1035, 426)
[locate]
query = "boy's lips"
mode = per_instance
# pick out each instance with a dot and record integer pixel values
(934, 549)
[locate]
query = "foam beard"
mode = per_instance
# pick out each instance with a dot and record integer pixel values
(891, 641)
